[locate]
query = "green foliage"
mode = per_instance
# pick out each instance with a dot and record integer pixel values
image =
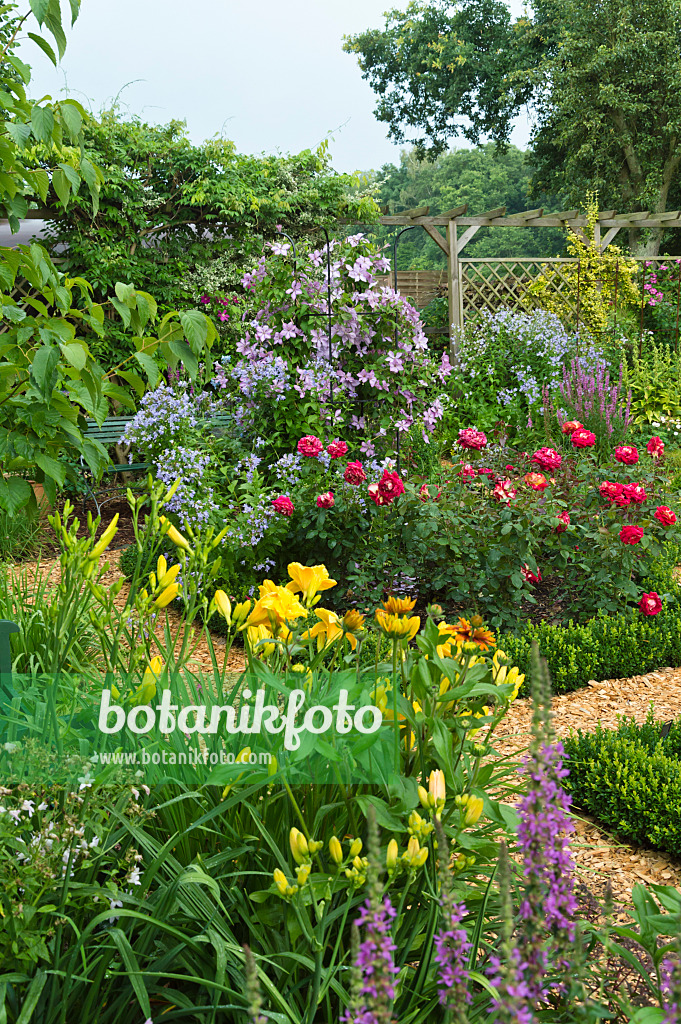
(594, 283)
(484, 179)
(654, 379)
(183, 220)
(21, 536)
(629, 779)
(430, 65)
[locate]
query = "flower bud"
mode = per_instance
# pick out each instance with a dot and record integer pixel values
(423, 797)
(473, 810)
(391, 855)
(335, 850)
(356, 847)
(302, 874)
(314, 846)
(240, 613)
(167, 595)
(280, 881)
(420, 858)
(174, 535)
(299, 847)
(223, 605)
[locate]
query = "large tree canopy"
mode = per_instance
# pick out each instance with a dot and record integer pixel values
(603, 79)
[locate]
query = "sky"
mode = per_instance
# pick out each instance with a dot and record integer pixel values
(271, 75)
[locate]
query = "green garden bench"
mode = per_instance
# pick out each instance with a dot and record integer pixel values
(109, 434)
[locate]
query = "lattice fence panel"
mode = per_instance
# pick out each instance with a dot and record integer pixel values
(488, 284)
(421, 286)
(22, 290)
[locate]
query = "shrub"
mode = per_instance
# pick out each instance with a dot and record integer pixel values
(630, 780)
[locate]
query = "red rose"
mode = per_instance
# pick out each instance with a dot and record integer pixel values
(390, 486)
(664, 515)
(547, 458)
(425, 495)
(337, 449)
(571, 426)
(325, 500)
(504, 491)
(537, 481)
(529, 575)
(627, 453)
(650, 604)
(310, 446)
(376, 495)
(583, 438)
(284, 505)
(631, 534)
(485, 472)
(354, 473)
(655, 447)
(470, 438)
(564, 522)
(609, 490)
(623, 500)
(467, 471)
(636, 492)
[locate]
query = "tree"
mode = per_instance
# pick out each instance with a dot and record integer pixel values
(482, 178)
(50, 381)
(604, 80)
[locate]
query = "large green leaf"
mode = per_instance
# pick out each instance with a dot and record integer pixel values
(62, 186)
(150, 367)
(42, 123)
(50, 467)
(14, 493)
(195, 326)
(44, 46)
(40, 9)
(44, 369)
(71, 116)
(19, 132)
(75, 354)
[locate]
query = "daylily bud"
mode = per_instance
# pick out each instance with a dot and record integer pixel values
(243, 756)
(171, 492)
(169, 576)
(314, 846)
(105, 539)
(356, 847)
(272, 765)
(299, 847)
(473, 810)
(167, 595)
(423, 797)
(174, 535)
(223, 605)
(391, 855)
(335, 850)
(436, 785)
(420, 858)
(412, 849)
(240, 613)
(303, 873)
(280, 881)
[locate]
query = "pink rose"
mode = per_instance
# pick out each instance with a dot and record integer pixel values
(636, 492)
(485, 472)
(564, 522)
(537, 481)
(650, 604)
(325, 500)
(471, 438)
(390, 486)
(583, 438)
(547, 458)
(504, 491)
(284, 505)
(627, 453)
(664, 515)
(337, 449)
(609, 490)
(310, 446)
(571, 426)
(354, 474)
(631, 534)
(655, 447)
(467, 471)
(376, 495)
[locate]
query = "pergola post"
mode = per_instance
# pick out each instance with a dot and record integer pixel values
(454, 289)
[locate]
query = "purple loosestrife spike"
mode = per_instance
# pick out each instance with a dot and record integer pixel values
(452, 946)
(373, 988)
(507, 971)
(670, 991)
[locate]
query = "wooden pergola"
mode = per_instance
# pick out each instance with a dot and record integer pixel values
(452, 243)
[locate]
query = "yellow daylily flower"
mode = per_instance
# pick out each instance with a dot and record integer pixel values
(310, 579)
(328, 630)
(506, 675)
(256, 634)
(275, 607)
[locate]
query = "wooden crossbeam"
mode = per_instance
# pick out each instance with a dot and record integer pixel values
(466, 237)
(518, 218)
(457, 211)
(492, 214)
(563, 214)
(609, 235)
(633, 218)
(606, 214)
(418, 211)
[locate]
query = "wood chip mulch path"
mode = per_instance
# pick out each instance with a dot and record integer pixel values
(600, 857)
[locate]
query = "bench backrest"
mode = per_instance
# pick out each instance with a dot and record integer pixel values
(111, 429)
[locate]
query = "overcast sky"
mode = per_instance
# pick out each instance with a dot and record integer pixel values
(269, 74)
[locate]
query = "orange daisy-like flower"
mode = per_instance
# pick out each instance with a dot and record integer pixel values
(484, 638)
(398, 605)
(398, 627)
(460, 632)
